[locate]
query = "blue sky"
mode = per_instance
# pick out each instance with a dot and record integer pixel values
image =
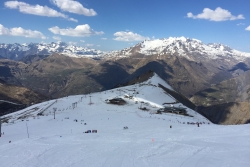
(116, 24)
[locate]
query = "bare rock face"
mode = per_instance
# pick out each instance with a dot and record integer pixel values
(228, 113)
(14, 98)
(236, 89)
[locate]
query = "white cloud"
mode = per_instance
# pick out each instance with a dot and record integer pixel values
(104, 38)
(3, 30)
(248, 28)
(73, 7)
(129, 36)
(82, 40)
(57, 38)
(240, 24)
(80, 31)
(218, 14)
(36, 10)
(72, 19)
(19, 31)
(72, 43)
(89, 45)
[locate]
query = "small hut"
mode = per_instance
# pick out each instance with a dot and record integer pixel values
(118, 101)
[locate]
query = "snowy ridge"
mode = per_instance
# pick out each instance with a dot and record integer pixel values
(183, 47)
(54, 47)
(32, 138)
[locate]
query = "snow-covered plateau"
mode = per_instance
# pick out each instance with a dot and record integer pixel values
(32, 137)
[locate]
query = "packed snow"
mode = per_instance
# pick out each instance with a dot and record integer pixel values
(32, 137)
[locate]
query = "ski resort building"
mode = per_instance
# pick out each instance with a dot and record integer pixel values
(118, 101)
(172, 109)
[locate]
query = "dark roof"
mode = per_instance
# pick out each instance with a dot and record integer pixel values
(174, 108)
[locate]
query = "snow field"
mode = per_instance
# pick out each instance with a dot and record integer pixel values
(148, 141)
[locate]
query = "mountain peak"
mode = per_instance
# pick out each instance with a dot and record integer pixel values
(192, 49)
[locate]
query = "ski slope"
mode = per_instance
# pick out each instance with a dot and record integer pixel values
(148, 141)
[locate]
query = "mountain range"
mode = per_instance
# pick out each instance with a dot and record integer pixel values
(18, 51)
(192, 49)
(191, 67)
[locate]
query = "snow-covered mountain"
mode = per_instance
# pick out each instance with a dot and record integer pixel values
(32, 137)
(189, 48)
(192, 49)
(17, 51)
